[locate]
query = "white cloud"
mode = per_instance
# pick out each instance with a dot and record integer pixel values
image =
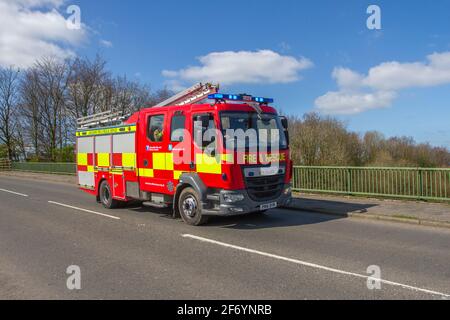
(341, 102)
(169, 73)
(346, 78)
(231, 67)
(31, 29)
(395, 75)
(36, 3)
(377, 89)
(106, 43)
(175, 85)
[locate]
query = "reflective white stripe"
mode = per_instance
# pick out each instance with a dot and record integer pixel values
(13, 192)
(312, 265)
(84, 210)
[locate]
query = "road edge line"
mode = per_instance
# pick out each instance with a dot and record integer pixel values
(13, 192)
(84, 210)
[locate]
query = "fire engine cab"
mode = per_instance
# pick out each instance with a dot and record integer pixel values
(180, 153)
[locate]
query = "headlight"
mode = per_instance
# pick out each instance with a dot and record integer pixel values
(233, 197)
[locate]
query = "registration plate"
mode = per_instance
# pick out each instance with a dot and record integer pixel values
(269, 171)
(268, 206)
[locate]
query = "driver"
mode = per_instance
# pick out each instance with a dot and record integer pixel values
(158, 134)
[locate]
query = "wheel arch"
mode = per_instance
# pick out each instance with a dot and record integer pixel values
(98, 188)
(188, 180)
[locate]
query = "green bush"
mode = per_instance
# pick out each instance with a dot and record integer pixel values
(66, 154)
(3, 151)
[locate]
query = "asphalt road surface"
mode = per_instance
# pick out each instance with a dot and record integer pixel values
(142, 253)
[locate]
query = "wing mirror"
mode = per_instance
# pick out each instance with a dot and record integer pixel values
(284, 122)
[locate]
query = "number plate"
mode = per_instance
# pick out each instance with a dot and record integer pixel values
(268, 206)
(269, 171)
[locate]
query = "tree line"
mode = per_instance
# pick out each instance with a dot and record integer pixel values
(39, 107)
(318, 140)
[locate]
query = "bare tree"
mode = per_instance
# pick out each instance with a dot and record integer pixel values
(159, 96)
(44, 94)
(92, 89)
(30, 109)
(320, 140)
(85, 86)
(54, 83)
(129, 96)
(9, 101)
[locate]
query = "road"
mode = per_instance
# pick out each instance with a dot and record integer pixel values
(142, 253)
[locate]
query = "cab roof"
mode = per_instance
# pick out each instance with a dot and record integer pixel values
(205, 107)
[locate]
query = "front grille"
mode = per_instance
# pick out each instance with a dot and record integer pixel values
(265, 188)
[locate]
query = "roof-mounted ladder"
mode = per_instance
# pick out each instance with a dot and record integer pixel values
(107, 118)
(191, 95)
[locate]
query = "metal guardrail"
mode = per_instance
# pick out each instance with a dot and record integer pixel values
(409, 183)
(5, 164)
(46, 167)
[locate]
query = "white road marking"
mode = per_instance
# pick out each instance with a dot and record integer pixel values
(312, 265)
(13, 192)
(84, 210)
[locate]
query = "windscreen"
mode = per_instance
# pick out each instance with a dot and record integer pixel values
(260, 130)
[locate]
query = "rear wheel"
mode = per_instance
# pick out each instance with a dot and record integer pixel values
(106, 196)
(189, 206)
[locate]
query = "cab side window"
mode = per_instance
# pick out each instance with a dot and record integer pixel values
(202, 124)
(155, 131)
(177, 128)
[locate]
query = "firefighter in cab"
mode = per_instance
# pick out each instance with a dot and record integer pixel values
(158, 134)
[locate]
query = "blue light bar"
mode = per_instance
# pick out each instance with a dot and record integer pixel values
(238, 97)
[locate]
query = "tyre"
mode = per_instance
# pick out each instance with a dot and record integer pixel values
(189, 206)
(106, 196)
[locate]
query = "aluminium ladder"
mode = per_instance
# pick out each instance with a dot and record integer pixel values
(191, 95)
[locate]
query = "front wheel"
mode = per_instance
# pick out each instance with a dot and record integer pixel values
(106, 196)
(189, 206)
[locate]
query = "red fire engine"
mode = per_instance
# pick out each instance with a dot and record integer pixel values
(153, 156)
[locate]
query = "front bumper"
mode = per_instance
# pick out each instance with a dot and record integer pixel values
(220, 207)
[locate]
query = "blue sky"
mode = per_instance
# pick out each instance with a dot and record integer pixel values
(143, 38)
